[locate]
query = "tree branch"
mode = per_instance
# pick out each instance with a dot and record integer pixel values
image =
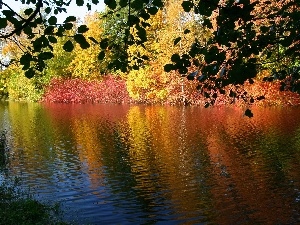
(11, 9)
(39, 5)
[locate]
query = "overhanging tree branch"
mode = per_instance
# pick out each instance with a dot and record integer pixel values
(39, 5)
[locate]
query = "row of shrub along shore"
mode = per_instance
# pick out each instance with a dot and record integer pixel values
(113, 90)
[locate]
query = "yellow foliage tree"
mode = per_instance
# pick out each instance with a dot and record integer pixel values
(151, 82)
(86, 65)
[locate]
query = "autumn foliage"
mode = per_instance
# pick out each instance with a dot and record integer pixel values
(109, 90)
(158, 62)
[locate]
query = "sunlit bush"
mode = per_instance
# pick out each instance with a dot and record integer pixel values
(111, 89)
(21, 88)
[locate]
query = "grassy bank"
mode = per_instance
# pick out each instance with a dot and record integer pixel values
(18, 207)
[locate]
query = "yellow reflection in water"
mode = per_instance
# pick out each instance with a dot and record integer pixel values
(88, 147)
(158, 140)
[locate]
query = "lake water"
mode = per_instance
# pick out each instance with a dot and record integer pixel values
(121, 164)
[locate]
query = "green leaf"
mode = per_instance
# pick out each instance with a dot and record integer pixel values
(60, 31)
(186, 31)
(95, 2)
(101, 55)
(8, 13)
(68, 26)
(142, 34)
(28, 11)
(187, 6)
(134, 19)
(70, 19)
(27, 30)
(168, 67)
(68, 46)
(248, 113)
(264, 29)
(83, 29)
(25, 59)
(136, 5)
(152, 10)
(52, 20)
(52, 39)
(158, 3)
(111, 4)
(176, 41)
(145, 25)
(287, 41)
(104, 43)
(49, 30)
(88, 5)
(123, 3)
(175, 58)
(45, 55)
(183, 70)
(260, 98)
(30, 73)
(93, 40)
(144, 15)
(79, 2)
(144, 57)
(40, 43)
(3, 23)
(48, 10)
(80, 39)
(207, 23)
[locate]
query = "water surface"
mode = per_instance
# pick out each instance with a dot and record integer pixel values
(116, 164)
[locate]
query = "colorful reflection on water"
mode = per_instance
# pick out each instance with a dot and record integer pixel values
(116, 164)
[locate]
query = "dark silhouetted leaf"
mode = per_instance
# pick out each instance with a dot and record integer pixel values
(45, 55)
(80, 39)
(158, 3)
(111, 4)
(144, 15)
(175, 58)
(25, 59)
(101, 55)
(68, 46)
(27, 30)
(49, 30)
(187, 6)
(104, 43)
(186, 31)
(8, 13)
(152, 10)
(260, 98)
(248, 113)
(83, 29)
(52, 39)
(28, 11)
(52, 20)
(29, 73)
(222, 91)
(48, 10)
(168, 67)
(68, 26)
(93, 40)
(70, 19)
(3, 23)
(176, 41)
(79, 2)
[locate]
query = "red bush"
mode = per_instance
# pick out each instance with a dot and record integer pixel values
(110, 89)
